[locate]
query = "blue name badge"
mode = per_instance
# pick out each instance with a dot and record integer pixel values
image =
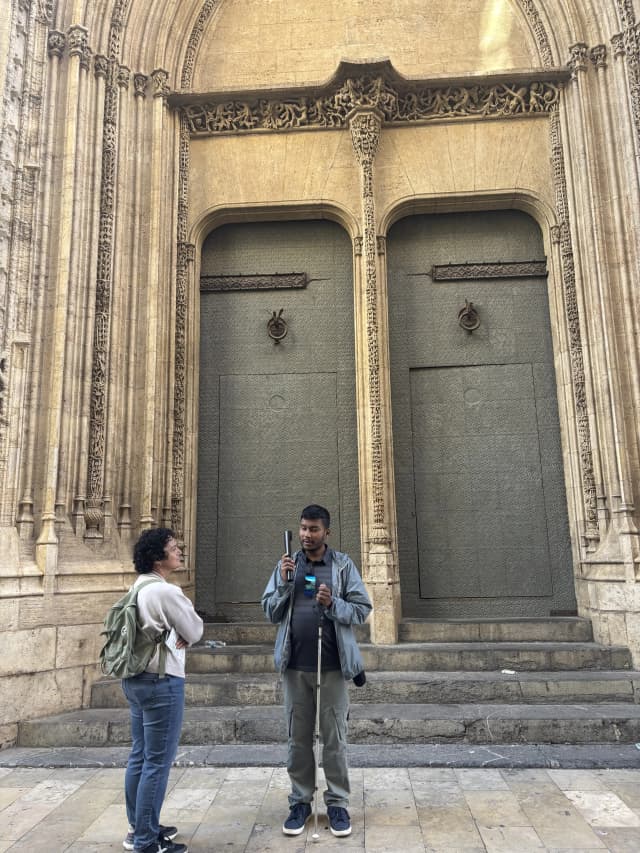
(310, 585)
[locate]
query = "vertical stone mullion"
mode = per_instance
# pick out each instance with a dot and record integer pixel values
(25, 518)
(149, 480)
(599, 285)
(55, 371)
(624, 281)
(377, 498)
(580, 357)
(133, 331)
(80, 238)
(122, 246)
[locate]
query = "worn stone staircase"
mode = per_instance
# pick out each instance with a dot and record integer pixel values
(510, 681)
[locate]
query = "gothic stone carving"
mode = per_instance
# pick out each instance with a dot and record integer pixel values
(365, 136)
(396, 102)
(563, 235)
(279, 281)
(514, 269)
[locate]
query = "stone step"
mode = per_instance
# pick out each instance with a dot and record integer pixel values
(428, 657)
(564, 629)
(379, 724)
(406, 687)
(258, 633)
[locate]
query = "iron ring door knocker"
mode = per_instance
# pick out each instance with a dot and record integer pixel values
(277, 327)
(468, 317)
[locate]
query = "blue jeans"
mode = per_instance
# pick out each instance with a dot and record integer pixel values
(156, 705)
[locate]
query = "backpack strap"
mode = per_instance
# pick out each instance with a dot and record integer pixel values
(162, 648)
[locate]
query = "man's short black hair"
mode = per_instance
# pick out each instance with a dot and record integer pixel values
(313, 512)
(151, 547)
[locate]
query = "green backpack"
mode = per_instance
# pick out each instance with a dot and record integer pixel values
(128, 648)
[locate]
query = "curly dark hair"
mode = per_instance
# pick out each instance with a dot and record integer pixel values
(150, 547)
(315, 512)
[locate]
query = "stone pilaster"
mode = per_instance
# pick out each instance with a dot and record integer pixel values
(377, 492)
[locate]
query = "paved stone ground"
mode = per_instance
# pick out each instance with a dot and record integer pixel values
(394, 810)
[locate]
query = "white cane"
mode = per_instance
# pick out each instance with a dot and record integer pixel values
(315, 835)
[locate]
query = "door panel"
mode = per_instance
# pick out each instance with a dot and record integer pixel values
(482, 517)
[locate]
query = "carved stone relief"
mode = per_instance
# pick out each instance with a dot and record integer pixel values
(279, 281)
(396, 102)
(563, 235)
(506, 269)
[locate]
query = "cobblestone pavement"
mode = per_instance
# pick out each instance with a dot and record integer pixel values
(393, 810)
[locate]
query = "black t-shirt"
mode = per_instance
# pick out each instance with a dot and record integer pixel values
(305, 616)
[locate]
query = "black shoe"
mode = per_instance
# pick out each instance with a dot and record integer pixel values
(339, 821)
(298, 816)
(165, 833)
(163, 845)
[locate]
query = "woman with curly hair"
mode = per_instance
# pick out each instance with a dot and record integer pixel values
(156, 696)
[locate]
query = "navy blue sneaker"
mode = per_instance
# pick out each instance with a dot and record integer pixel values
(298, 816)
(339, 821)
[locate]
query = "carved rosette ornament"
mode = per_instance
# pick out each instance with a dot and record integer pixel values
(365, 128)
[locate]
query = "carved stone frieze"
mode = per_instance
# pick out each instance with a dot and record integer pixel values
(503, 269)
(396, 102)
(279, 281)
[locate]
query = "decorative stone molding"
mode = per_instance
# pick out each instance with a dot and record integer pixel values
(185, 259)
(279, 281)
(631, 49)
(140, 82)
(381, 244)
(529, 7)
(77, 38)
(598, 56)
(357, 246)
(365, 126)
(397, 99)
(123, 77)
(578, 58)
(591, 533)
(503, 269)
(194, 42)
(617, 42)
(56, 43)
(159, 78)
(100, 65)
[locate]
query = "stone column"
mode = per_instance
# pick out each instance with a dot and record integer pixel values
(373, 391)
(149, 491)
(54, 375)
